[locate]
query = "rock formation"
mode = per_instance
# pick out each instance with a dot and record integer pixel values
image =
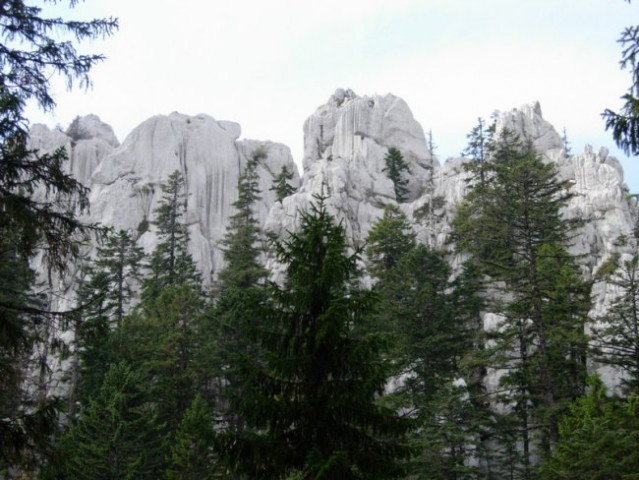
(345, 143)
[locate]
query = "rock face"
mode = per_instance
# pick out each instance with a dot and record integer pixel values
(125, 179)
(345, 144)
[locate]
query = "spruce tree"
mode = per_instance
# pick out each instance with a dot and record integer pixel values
(164, 345)
(511, 223)
(309, 400)
(281, 187)
(38, 202)
(240, 290)
(480, 144)
(171, 263)
(389, 239)
(116, 437)
(599, 439)
(192, 450)
(625, 123)
(241, 243)
(120, 258)
(395, 169)
(617, 334)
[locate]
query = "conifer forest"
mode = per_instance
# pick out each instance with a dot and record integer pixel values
(307, 355)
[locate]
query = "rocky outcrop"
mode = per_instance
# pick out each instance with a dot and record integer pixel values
(345, 143)
(125, 179)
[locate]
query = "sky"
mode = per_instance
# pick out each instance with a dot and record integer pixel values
(268, 64)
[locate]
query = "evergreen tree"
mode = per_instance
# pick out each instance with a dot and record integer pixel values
(120, 258)
(240, 290)
(617, 341)
(512, 225)
(117, 436)
(36, 48)
(164, 344)
(309, 400)
(599, 439)
(389, 239)
(625, 123)
(431, 145)
(281, 187)
(241, 243)
(480, 143)
(566, 142)
(171, 263)
(192, 449)
(395, 168)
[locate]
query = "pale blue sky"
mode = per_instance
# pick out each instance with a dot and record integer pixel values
(268, 64)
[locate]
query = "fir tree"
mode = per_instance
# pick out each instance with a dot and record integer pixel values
(480, 143)
(599, 439)
(309, 400)
(171, 263)
(512, 225)
(281, 187)
(38, 202)
(241, 242)
(625, 123)
(192, 450)
(390, 238)
(164, 344)
(116, 437)
(395, 168)
(617, 339)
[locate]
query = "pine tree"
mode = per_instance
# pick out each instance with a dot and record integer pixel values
(395, 168)
(480, 144)
(310, 399)
(617, 340)
(241, 242)
(192, 450)
(171, 263)
(164, 344)
(281, 187)
(390, 238)
(599, 439)
(512, 225)
(38, 201)
(117, 436)
(240, 291)
(120, 258)
(625, 124)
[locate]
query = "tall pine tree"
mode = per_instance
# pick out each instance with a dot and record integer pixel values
(171, 263)
(309, 400)
(511, 223)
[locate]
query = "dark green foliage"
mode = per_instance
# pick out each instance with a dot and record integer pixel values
(599, 439)
(449, 437)
(38, 200)
(171, 263)
(390, 238)
(281, 187)
(480, 143)
(120, 259)
(512, 226)
(625, 123)
(309, 400)
(395, 168)
(192, 449)
(617, 340)
(163, 345)
(241, 242)
(116, 437)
